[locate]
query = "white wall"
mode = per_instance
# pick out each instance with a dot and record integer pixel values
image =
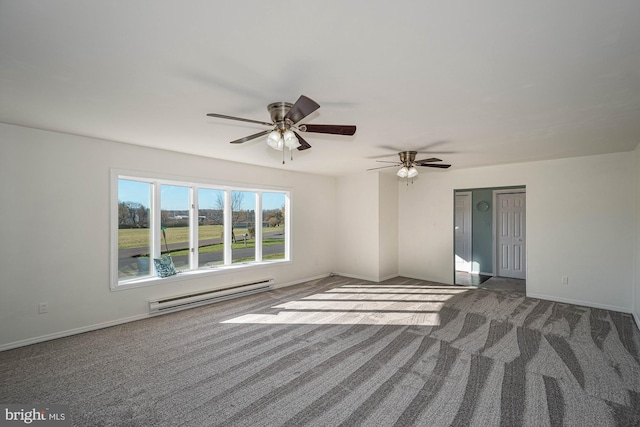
(636, 288)
(368, 226)
(357, 225)
(54, 220)
(580, 224)
(388, 227)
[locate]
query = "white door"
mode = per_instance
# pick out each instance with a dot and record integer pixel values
(462, 226)
(510, 235)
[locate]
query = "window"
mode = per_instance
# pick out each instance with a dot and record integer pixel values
(210, 227)
(243, 226)
(175, 211)
(203, 226)
(273, 229)
(134, 232)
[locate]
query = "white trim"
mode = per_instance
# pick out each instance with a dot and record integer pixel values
(257, 227)
(70, 332)
(468, 193)
(155, 222)
(355, 276)
(580, 302)
(288, 253)
(389, 277)
(194, 225)
(95, 327)
(298, 282)
(199, 181)
(113, 230)
(199, 273)
(227, 230)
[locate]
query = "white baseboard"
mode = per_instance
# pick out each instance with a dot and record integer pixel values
(580, 302)
(297, 282)
(389, 277)
(62, 334)
(355, 276)
(70, 332)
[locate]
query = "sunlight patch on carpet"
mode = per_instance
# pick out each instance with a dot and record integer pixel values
(366, 305)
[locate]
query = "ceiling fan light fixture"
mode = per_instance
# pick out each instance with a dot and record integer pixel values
(403, 172)
(412, 172)
(290, 140)
(274, 140)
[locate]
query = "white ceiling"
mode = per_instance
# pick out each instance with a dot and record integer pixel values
(472, 82)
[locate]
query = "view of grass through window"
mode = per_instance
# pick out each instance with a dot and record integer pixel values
(243, 226)
(210, 227)
(134, 234)
(174, 224)
(173, 227)
(273, 226)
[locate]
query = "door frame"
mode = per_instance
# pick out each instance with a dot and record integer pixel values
(495, 227)
(470, 194)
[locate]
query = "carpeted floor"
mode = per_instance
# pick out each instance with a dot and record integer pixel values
(344, 352)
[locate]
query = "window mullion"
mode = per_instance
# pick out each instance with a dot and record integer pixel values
(258, 226)
(193, 229)
(227, 228)
(287, 227)
(154, 226)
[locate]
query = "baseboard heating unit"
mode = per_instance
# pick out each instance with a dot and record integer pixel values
(182, 302)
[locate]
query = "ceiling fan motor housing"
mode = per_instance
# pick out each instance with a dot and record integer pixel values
(278, 110)
(407, 157)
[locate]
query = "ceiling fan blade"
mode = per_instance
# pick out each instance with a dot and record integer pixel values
(332, 129)
(301, 109)
(385, 161)
(250, 137)
(222, 116)
(432, 159)
(382, 167)
(441, 166)
(304, 145)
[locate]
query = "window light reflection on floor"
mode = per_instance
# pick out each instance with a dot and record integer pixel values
(367, 305)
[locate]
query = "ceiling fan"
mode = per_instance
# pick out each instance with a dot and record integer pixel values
(284, 125)
(408, 164)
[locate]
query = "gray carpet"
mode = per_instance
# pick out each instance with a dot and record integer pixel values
(344, 352)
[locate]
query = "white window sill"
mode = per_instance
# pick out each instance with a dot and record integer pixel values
(192, 274)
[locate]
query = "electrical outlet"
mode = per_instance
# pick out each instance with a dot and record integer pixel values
(565, 280)
(43, 308)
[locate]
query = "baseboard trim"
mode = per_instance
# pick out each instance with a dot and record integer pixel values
(391, 276)
(297, 282)
(580, 302)
(70, 332)
(97, 326)
(355, 276)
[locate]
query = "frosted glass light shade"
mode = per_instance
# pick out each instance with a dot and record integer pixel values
(412, 172)
(403, 172)
(274, 140)
(290, 140)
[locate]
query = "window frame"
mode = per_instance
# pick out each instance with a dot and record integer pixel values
(156, 180)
